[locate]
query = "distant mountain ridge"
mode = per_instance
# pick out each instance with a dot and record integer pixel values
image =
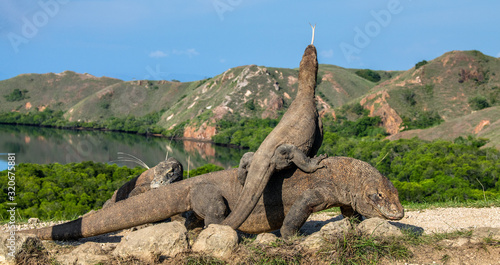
(449, 85)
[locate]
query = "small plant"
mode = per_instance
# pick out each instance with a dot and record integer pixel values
(202, 260)
(354, 248)
(420, 64)
(33, 252)
(409, 97)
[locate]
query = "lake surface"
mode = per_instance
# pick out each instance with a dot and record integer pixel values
(47, 145)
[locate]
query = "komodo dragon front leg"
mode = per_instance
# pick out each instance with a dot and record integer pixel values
(284, 156)
(308, 202)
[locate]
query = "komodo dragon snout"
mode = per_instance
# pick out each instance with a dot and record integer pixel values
(382, 197)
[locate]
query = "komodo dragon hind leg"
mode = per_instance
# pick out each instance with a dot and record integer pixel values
(308, 202)
(207, 202)
(286, 154)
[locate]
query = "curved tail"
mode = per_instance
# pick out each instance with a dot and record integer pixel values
(148, 207)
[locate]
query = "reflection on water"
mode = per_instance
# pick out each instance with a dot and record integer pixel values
(46, 145)
(3, 165)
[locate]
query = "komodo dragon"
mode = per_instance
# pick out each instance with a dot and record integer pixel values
(289, 198)
(167, 171)
(295, 139)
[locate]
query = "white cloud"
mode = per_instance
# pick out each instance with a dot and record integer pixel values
(327, 53)
(188, 52)
(498, 55)
(158, 54)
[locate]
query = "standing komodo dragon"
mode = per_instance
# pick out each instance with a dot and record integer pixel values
(295, 139)
(288, 200)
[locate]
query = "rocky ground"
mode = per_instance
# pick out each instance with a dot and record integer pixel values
(478, 243)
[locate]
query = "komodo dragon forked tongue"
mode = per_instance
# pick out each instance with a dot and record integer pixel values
(299, 130)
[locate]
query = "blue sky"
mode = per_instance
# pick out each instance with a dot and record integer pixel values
(191, 40)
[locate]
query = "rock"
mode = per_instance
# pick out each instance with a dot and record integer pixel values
(265, 239)
(12, 245)
(379, 228)
(331, 230)
(165, 239)
(484, 234)
(33, 221)
(216, 240)
(86, 254)
(336, 229)
(313, 242)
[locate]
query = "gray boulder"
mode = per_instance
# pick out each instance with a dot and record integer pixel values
(165, 239)
(378, 228)
(89, 253)
(265, 239)
(216, 240)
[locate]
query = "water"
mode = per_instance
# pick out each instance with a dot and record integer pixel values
(46, 145)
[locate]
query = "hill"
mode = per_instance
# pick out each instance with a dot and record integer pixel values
(484, 123)
(450, 87)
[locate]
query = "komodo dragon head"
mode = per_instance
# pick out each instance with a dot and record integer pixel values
(375, 196)
(166, 172)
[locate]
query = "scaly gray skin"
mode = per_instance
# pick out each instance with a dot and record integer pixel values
(288, 200)
(295, 139)
(166, 172)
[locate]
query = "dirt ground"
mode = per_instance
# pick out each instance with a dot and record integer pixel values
(458, 250)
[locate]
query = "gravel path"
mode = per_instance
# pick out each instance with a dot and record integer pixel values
(437, 220)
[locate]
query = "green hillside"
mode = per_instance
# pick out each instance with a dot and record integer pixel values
(55, 91)
(454, 85)
(484, 123)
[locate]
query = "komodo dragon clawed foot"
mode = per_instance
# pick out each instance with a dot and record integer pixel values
(284, 156)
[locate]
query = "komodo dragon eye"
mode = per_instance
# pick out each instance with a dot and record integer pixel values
(376, 197)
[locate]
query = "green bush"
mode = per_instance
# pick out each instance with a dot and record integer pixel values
(369, 75)
(420, 64)
(16, 95)
(247, 133)
(203, 170)
(479, 103)
(422, 120)
(427, 171)
(64, 191)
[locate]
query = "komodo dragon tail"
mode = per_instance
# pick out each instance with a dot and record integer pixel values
(256, 183)
(148, 207)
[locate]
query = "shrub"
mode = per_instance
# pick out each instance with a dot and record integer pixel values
(420, 64)
(409, 97)
(369, 75)
(479, 103)
(16, 95)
